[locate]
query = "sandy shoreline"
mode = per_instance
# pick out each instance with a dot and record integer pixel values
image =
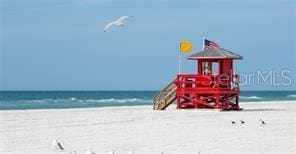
(143, 130)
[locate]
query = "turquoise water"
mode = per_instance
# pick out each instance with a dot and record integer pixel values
(11, 100)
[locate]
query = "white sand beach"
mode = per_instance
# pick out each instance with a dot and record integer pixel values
(145, 131)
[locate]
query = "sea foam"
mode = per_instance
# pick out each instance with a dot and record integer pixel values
(113, 100)
(109, 100)
(250, 97)
(292, 96)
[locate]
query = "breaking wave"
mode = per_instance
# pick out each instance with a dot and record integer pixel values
(292, 96)
(109, 100)
(250, 97)
(113, 100)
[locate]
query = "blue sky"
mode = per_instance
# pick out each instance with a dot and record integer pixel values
(60, 45)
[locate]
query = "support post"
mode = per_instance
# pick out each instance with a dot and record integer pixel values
(217, 102)
(236, 101)
(178, 102)
(195, 101)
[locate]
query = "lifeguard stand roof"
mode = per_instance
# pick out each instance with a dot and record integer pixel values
(214, 53)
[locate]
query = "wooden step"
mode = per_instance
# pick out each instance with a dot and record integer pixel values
(165, 97)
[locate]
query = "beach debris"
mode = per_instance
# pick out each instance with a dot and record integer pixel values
(119, 23)
(57, 145)
(73, 152)
(242, 122)
(111, 152)
(89, 151)
(232, 122)
(131, 152)
(262, 122)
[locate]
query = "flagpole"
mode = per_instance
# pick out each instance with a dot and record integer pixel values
(203, 47)
(203, 42)
(179, 72)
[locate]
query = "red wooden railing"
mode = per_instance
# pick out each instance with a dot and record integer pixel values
(209, 81)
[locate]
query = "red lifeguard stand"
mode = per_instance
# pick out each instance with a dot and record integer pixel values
(214, 85)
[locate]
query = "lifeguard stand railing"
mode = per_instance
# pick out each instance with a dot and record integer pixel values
(206, 83)
(207, 91)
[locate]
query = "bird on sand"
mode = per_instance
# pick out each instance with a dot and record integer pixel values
(242, 122)
(57, 145)
(262, 122)
(130, 152)
(73, 152)
(88, 151)
(119, 23)
(233, 122)
(111, 152)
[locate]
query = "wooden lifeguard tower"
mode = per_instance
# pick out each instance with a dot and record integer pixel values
(214, 85)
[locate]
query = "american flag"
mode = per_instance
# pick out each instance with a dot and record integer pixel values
(209, 43)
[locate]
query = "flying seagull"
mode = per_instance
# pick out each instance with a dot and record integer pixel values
(262, 121)
(242, 122)
(57, 145)
(119, 23)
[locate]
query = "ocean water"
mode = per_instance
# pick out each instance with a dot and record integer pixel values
(18, 100)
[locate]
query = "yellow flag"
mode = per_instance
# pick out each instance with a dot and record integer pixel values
(185, 47)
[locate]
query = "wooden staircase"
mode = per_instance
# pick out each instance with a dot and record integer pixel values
(165, 97)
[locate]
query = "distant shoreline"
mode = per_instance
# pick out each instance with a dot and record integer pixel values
(126, 90)
(91, 99)
(135, 106)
